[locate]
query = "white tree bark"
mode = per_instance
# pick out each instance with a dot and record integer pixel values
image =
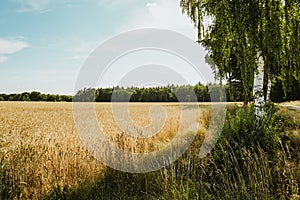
(258, 92)
(269, 87)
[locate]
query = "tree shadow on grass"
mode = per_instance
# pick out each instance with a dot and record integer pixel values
(113, 185)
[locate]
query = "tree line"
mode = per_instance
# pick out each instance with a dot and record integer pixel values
(35, 96)
(184, 93)
(169, 93)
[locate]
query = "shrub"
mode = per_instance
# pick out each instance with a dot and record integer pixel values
(248, 144)
(243, 130)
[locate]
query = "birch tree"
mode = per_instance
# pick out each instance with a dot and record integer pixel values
(256, 39)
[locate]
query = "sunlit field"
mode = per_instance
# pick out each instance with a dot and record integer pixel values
(42, 155)
(42, 149)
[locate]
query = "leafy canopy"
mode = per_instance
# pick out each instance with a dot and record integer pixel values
(233, 31)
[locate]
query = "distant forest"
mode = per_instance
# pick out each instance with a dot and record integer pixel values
(187, 93)
(35, 96)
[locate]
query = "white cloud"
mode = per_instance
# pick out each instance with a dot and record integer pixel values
(165, 14)
(11, 46)
(2, 58)
(32, 5)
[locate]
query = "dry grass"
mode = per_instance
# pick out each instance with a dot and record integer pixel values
(40, 148)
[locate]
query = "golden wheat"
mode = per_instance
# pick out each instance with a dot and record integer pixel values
(41, 149)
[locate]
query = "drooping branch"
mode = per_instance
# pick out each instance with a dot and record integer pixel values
(240, 28)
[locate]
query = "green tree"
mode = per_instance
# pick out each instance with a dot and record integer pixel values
(35, 96)
(256, 40)
(85, 95)
(120, 95)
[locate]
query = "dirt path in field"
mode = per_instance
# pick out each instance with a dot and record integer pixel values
(291, 107)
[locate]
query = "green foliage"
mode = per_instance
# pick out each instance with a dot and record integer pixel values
(187, 93)
(170, 93)
(121, 95)
(240, 29)
(243, 130)
(278, 93)
(34, 96)
(61, 193)
(234, 92)
(263, 139)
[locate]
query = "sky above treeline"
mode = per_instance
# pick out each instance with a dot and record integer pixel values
(44, 43)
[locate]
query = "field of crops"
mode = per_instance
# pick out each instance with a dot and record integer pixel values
(41, 148)
(43, 155)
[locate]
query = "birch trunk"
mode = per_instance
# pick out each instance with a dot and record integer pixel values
(258, 88)
(269, 87)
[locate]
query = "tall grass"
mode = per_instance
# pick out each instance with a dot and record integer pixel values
(192, 178)
(41, 157)
(40, 150)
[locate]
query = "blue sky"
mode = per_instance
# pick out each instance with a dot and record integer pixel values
(43, 43)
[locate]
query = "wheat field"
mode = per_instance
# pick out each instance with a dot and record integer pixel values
(40, 148)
